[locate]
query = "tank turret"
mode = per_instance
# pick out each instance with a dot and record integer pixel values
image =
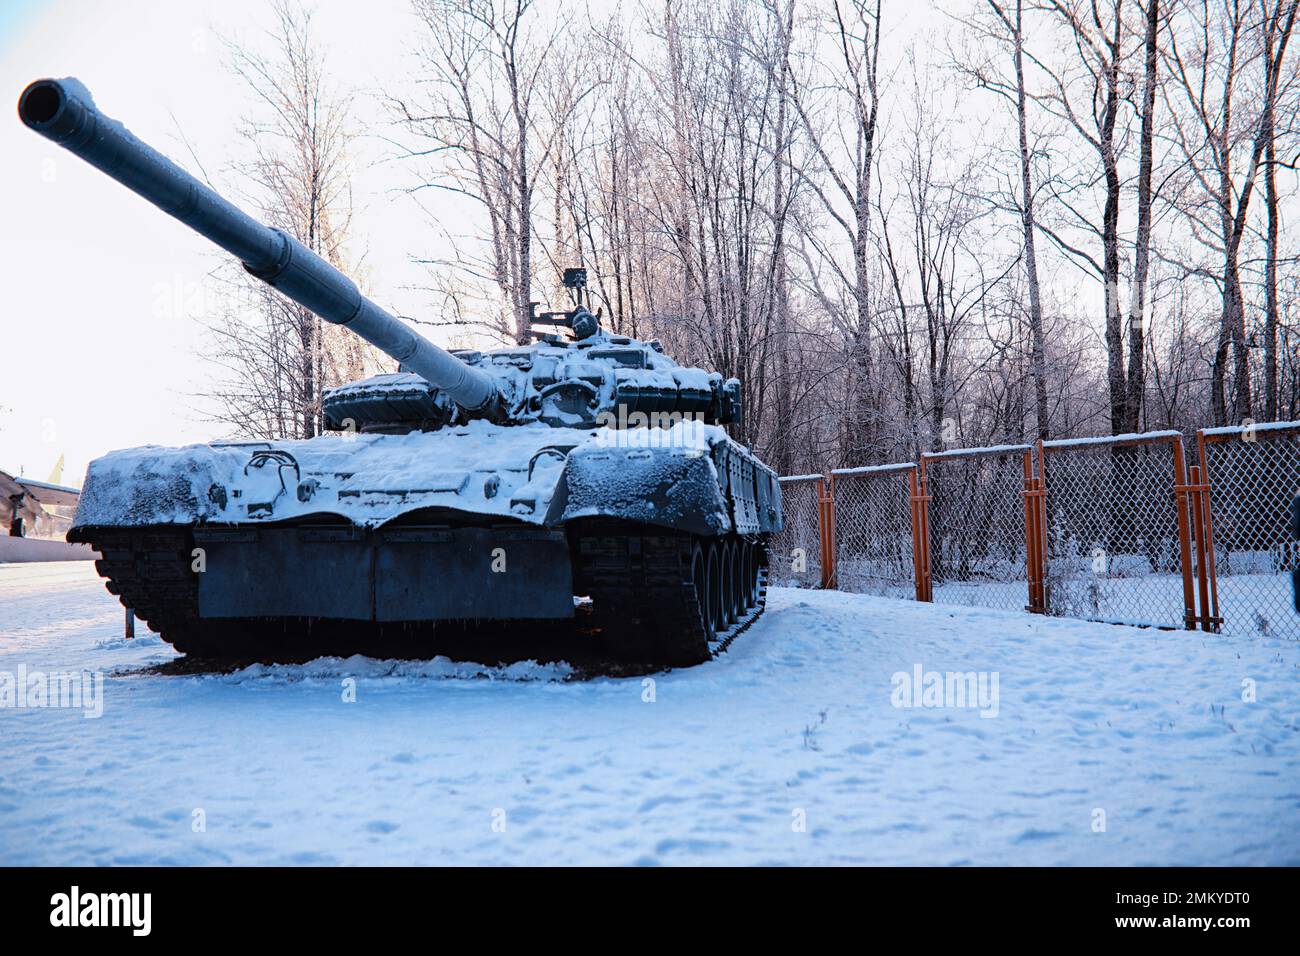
(64, 112)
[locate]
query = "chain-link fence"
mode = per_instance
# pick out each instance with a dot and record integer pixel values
(795, 555)
(1254, 473)
(1120, 529)
(1117, 545)
(977, 526)
(873, 530)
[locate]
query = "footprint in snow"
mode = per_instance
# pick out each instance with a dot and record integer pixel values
(692, 846)
(1033, 836)
(653, 802)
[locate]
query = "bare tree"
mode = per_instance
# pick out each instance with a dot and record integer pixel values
(1224, 142)
(1278, 82)
(1084, 90)
(481, 133)
(746, 182)
(1135, 388)
(277, 358)
(839, 120)
(1005, 30)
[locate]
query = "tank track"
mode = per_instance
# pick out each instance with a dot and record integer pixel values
(724, 639)
(645, 607)
(645, 602)
(149, 570)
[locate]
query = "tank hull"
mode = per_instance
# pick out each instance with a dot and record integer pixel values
(350, 544)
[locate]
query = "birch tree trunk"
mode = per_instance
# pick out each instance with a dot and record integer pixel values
(1136, 386)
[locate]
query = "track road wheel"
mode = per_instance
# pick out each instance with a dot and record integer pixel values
(727, 570)
(700, 578)
(706, 589)
(740, 599)
(714, 595)
(750, 575)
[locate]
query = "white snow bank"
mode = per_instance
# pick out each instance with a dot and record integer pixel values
(358, 667)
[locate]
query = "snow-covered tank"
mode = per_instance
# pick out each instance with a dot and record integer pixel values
(584, 476)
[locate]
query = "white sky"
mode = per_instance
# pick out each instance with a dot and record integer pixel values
(101, 349)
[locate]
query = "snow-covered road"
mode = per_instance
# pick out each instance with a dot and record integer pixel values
(1110, 745)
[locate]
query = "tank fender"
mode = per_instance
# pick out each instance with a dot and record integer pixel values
(675, 488)
(151, 485)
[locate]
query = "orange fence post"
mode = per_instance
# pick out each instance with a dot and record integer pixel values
(1182, 494)
(1031, 563)
(1040, 525)
(1034, 496)
(826, 526)
(1197, 494)
(1207, 540)
(1195, 503)
(920, 501)
(918, 568)
(925, 537)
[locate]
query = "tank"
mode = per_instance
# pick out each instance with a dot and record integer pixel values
(582, 486)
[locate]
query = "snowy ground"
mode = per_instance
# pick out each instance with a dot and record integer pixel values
(794, 724)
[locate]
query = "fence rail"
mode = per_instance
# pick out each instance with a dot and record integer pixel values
(1140, 529)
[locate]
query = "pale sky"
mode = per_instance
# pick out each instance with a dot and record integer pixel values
(99, 285)
(103, 350)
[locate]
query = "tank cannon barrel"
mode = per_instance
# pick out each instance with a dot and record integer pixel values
(63, 111)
